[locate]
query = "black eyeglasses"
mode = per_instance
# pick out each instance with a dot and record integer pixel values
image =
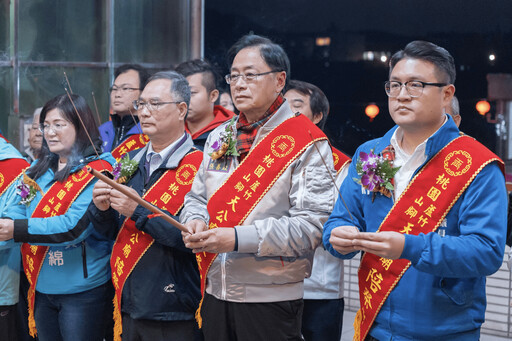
(114, 89)
(414, 88)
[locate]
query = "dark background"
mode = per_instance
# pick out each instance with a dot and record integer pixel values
(470, 30)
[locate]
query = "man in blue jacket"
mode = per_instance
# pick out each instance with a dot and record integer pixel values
(11, 164)
(158, 294)
(129, 81)
(430, 230)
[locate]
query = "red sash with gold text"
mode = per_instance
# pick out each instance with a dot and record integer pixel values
(10, 170)
(339, 159)
(135, 141)
(55, 202)
(420, 209)
(232, 203)
(168, 193)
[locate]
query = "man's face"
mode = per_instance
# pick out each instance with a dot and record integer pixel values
(201, 104)
(123, 93)
(256, 96)
(35, 137)
(426, 111)
(166, 121)
(300, 103)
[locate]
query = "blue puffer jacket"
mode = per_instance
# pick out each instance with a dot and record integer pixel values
(125, 128)
(78, 257)
(9, 251)
(442, 295)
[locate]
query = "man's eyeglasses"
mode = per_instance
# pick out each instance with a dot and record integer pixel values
(248, 77)
(151, 105)
(414, 88)
(115, 89)
(56, 128)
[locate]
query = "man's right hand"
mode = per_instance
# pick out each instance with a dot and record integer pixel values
(101, 195)
(193, 226)
(342, 239)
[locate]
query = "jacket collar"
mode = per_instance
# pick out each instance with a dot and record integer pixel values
(173, 160)
(445, 134)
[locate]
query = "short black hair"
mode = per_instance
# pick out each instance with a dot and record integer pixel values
(273, 54)
(427, 51)
(210, 75)
(141, 70)
(317, 100)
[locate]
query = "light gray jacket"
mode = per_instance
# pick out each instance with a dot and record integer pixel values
(277, 240)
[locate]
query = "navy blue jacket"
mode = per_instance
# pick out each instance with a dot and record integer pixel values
(164, 285)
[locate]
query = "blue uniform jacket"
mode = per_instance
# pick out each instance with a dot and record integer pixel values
(9, 251)
(108, 134)
(78, 257)
(442, 295)
(164, 285)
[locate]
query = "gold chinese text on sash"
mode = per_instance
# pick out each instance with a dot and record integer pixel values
(168, 194)
(135, 141)
(420, 209)
(232, 203)
(339, 159)
(55, 202)
(10, 170)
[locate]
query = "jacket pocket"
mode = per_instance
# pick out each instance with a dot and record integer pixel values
(456, 289)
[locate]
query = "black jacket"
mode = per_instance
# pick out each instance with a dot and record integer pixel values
(165, 284)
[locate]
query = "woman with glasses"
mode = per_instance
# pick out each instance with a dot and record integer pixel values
(65, 260)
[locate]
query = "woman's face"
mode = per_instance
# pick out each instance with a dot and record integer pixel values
(59, 133)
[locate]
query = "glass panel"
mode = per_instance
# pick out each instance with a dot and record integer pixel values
(164, 37)
(62, 30)
(40, 84)
(5, 98)
(5, 68)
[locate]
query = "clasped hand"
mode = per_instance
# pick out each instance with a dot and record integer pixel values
(387, 244)
(6, 229)
(201, 239)
(104, 196)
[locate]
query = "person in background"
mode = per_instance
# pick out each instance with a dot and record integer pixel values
(203, 115)
(35, 138)
(11, 166)
(430, 219)
(123, 133)
(454, 111)
(226, 101)
(322, 319)
(65, 260)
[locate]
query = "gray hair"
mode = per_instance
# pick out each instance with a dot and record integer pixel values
(179, 85)
(455, 106)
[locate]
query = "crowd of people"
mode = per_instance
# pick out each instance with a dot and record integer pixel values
(257, 210)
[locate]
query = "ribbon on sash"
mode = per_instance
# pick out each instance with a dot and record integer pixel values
(133, 142)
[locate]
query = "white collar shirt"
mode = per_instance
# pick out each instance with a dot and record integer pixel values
(155, 159)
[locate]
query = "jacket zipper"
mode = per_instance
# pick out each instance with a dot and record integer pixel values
(84, 259)
(223, 275)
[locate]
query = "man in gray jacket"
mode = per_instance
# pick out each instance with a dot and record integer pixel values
(257, 204)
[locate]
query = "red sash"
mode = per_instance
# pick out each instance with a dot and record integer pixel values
(420, 209)
(10, 170)
(339, 159)
(232, 203)
(168, 193)
(135, 141)
(55, 202)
